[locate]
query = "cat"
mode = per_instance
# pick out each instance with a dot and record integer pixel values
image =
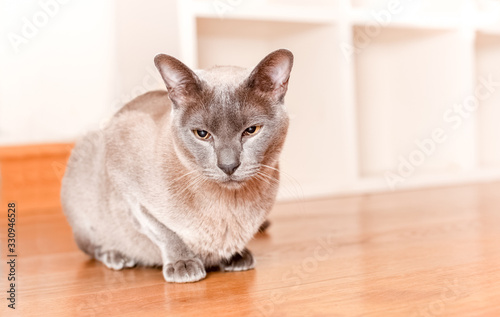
(182, 178)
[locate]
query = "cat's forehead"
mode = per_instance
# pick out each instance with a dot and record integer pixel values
(225, 104)
(223, 78)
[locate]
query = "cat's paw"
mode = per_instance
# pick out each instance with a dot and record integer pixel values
(263, 227)
(114, 259)
(239, 262)
(184, 271)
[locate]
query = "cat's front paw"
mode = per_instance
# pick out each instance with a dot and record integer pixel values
(114, 260)
(239, 262)
(184, 271)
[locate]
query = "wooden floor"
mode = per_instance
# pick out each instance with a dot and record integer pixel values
(421, 253)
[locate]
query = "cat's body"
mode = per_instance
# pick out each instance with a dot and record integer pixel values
(147, 191)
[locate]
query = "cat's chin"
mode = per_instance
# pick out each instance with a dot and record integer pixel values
(232, 184)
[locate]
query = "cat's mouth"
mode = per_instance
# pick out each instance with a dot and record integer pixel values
(231, 184)
(233, 181)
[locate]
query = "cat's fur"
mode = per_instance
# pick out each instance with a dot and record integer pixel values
(146, 191)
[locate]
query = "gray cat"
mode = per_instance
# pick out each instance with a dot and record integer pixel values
(182, 179)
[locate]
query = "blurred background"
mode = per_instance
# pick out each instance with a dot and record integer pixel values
(384, 95)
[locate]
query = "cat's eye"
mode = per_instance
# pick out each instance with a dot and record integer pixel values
(252, 130)
(202, 134)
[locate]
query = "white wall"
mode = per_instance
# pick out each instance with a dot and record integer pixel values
(143, 29)
(55, 83)
(76, 63)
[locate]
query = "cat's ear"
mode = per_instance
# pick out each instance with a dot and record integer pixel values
(270, 76)
(182, 83)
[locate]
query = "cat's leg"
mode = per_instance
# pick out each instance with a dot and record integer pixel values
(242, 261)
(113, 259)
(263, 227)
(180, 264)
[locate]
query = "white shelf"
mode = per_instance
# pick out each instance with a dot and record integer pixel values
(266, 11)
(377, 184)
(488, 29)
(362, 17)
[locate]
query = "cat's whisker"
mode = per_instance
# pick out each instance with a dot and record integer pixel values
(294, 182)
(293, 194)
(186, 185)
(270, 167)
(183, 190)
(191, 184)
(272, 180)
(268, 178)
(262, 178)
(248, 173)
(200, 182)
(178, 178)
(268, 175)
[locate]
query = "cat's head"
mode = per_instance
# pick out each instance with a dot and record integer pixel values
(229, 122)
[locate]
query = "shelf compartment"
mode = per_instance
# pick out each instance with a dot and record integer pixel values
(405, 82)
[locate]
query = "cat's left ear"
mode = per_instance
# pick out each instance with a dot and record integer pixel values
(270, 77)
(182, 83)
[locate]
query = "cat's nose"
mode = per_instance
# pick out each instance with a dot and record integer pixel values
(229, 168)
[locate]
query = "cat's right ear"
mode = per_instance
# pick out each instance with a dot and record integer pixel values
(182, 83)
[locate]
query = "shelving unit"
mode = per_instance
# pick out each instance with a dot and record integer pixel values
(487, 63)
(366, 84)
(263, 10)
